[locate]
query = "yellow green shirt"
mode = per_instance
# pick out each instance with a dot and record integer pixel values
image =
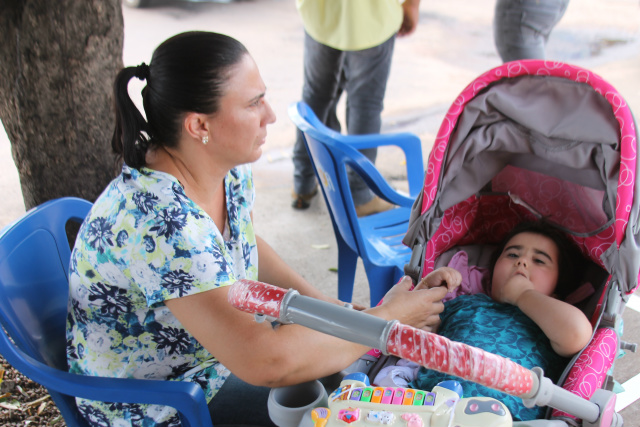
(350, 24)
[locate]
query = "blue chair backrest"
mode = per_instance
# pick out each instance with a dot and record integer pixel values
(34, 262)
(331, 155)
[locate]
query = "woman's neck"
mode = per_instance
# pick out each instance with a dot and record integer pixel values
(202, 183)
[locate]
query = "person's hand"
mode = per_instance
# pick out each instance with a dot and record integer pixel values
(513, 289)
(410, 17)
(419, 308)
(444, 276)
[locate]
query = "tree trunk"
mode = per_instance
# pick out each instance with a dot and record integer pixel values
(58, 60)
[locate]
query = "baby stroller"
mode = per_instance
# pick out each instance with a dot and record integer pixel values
(540, 139)
(526, 140)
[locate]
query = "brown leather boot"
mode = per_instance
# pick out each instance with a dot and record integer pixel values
(374, 205)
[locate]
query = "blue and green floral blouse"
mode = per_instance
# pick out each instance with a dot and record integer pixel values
(145, 242)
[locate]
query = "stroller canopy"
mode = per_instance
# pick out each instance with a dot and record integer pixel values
(542, 139)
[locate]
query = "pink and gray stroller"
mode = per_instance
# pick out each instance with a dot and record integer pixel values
(526, 140)
(540, 139)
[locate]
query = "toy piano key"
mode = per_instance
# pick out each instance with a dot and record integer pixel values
(367, 393)
(387, 396)
(418, 400)
(398, 396)
(356, 394)
(376, 397)
(409, 394)
(429, 399)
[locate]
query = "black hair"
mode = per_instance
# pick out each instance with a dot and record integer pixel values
(187, 73)
(570, 259)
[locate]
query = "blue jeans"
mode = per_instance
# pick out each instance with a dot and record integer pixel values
(238, 404)
(363, 75)
(521, 28)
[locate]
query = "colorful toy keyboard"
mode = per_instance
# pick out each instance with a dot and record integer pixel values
(355, 403)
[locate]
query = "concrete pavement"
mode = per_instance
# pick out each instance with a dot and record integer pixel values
(452, 45)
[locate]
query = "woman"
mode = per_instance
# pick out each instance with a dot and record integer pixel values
(152, 263)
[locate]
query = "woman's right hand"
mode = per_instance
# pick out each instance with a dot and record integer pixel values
(419, 308)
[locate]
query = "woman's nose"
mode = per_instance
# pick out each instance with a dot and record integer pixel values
(270, 114)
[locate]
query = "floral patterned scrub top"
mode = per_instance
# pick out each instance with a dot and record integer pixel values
(145, 242)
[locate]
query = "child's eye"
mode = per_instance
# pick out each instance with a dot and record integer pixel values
(539, 261)
(512, 255)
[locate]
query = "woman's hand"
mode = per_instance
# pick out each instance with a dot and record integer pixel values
(419, 308)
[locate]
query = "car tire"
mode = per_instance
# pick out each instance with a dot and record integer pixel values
(136, 3)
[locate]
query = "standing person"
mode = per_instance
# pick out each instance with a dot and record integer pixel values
(348, 45)
(521, 28)
(153, 261)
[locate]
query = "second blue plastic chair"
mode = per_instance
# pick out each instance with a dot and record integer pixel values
(377, 238)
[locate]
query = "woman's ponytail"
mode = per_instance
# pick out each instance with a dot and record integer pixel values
(131, 134)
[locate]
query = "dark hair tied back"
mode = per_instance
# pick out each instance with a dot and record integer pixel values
(142, 71)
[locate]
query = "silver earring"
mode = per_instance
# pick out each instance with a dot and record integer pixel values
(205, 139)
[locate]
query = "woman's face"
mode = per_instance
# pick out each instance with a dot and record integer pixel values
(237, 131)
(531, 255)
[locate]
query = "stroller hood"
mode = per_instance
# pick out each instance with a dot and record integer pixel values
(535, 139)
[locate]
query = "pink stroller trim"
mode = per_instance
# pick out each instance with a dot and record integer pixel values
(619, 107)
(588, 372)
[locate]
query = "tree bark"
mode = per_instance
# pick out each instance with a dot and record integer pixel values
(58, 60)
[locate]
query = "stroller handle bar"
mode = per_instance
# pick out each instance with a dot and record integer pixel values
(430, 350)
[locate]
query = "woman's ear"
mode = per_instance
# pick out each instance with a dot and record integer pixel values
(196, 125)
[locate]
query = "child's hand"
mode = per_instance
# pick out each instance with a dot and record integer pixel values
(443, 276)
(513, 289)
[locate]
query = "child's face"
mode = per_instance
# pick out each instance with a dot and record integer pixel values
(530, 255)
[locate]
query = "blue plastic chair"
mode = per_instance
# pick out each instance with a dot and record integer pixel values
(34, 261)
(377, 238)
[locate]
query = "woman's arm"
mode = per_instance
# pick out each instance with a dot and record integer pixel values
(289, 354)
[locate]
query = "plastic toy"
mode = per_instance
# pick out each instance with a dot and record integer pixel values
(356, 403)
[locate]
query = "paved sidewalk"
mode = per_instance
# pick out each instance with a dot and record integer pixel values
(452, 45)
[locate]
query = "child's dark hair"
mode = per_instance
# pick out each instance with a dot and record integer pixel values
(570, 260)
(187, 73)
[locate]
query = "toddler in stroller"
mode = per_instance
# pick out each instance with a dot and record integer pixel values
(540, 139)
(521, 316)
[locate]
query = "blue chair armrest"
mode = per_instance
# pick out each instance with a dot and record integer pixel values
(378, 184)
(409, 143)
